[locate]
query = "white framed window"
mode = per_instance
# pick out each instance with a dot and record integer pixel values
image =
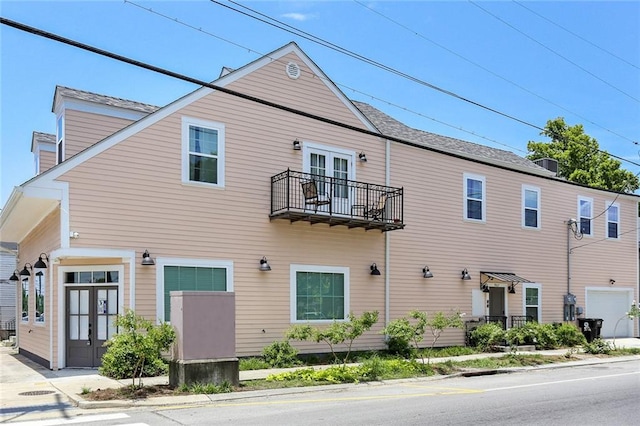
(474, 198)
(530, 207)
(189, 275)
(40, 288)
(319, 293)
(613, 220)
(532, 301)
(60, 140)
(25, 300)
(585, 215)
(203, 152)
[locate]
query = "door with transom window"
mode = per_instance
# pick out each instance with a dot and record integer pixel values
(338, 167)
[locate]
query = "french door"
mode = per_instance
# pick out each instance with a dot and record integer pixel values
(322, 164)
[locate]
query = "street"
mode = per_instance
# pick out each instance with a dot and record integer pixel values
(605, 394)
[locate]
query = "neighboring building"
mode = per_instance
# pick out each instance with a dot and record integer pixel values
(8, 264)
(295, 214)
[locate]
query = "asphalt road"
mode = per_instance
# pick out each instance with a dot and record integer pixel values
(607, 394)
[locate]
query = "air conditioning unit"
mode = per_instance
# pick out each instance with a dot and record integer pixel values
(548, 163)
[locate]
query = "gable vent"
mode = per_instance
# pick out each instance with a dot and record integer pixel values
(548, 163)
(293, 70)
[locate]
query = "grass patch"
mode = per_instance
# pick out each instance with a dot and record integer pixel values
(253, 363)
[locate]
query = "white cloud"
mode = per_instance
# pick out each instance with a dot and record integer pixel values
(297, 16)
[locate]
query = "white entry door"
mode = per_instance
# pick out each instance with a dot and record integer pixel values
(323, 163)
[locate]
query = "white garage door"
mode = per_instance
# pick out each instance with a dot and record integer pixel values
(610, 306)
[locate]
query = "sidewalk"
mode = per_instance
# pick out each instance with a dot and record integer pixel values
(28, 387)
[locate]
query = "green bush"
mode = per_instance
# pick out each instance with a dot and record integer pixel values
(399, 346)
(524, 335)
(253, 363)
(281, 354)
(569, 336)
(598, 346)
(487, 336)
(135, 350)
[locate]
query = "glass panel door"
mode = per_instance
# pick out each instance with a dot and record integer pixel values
(325, 163)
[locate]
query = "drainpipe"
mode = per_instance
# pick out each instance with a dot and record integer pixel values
(570, 222)
(387, 242)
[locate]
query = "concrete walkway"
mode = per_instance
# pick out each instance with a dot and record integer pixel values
(28, 387)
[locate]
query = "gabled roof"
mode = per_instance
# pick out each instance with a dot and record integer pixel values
(391, 127)
(40, 138)
(83, 95)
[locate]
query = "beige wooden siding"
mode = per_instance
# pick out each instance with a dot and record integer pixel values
(83, 129)
(47, 160)
(45, 237)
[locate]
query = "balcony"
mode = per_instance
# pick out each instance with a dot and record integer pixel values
(321, 199)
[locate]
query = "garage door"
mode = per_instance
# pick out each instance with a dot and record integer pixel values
(610, 306)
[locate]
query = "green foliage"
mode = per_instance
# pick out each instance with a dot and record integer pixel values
(253, 363)
(85, 390)
(569, 336)
(543, 336)
(337, 333)
(579, 158)
(281, 354)
(598, 346)
(399, 346)
(487, 336)
(135, 351)
(206, 388)
(413, 328)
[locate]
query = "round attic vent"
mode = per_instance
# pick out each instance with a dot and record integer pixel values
(293, 70)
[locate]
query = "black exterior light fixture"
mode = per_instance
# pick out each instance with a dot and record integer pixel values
(25, 271)
(363, 157)
(374, 269)
(296, 145)
(465, 275)
(14, 276)
(426, 272)
(512, 289)
(264, 264)
(484, 288)
(40, 263)
(146, 259)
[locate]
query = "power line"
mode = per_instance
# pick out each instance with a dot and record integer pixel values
(418, 34)
(575, 34)
(553, 51)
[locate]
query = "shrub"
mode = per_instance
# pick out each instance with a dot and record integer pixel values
(253, 363)
(281, 354)
(598, 346)
(399, 346)
(569, 336)
(135, 351)
(487, 336)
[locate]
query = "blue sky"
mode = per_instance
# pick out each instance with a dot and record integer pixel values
(532, 60)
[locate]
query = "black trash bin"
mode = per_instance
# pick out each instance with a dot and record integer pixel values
(597, 327)
(589, 328)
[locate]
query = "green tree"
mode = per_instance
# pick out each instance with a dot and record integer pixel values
(580, 159)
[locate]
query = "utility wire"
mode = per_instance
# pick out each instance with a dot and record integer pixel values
(576, 35)
(552, 51)
(418, 34)
(602, 239)
(317, 40)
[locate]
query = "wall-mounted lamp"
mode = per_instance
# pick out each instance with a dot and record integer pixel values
(612, 281)
(74, 234)
(146, 259)
(25, 271)
(485, 288)
(512, 289)
(363, 157)
(465, 275)
(14, 276)
(374, 269)
(40, 263)
(296, 145)
(426, 272)
(264, 265)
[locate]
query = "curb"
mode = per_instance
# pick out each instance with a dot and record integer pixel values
(187, 400)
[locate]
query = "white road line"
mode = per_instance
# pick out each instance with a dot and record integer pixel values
(562, 381)
(75, 420)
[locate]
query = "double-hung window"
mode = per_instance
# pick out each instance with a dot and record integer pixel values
(25, 299)
(585, 215)
(59, 140)
(40, 289)
(532, 301)
(319, 293)
(613, 220)
(474, 198)
(190, 275)
(530, 207)
(202, 152)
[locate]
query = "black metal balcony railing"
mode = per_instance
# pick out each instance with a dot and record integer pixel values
(321, 199)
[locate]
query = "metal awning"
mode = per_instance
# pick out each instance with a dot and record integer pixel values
(507, 277)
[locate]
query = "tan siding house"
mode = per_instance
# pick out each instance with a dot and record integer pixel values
(212, 184)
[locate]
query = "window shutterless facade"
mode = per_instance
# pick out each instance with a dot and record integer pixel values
(59, 140)
(530, 207)
(532, 299)
(40, 289)
(585, 215)
(202, 152)
(613, 220)
(190, 275)
(474, 198)
(319, 293)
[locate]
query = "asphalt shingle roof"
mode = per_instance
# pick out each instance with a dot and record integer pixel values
(105, 100)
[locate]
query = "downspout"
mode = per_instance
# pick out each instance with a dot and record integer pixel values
(569, 223)
(387, 242)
